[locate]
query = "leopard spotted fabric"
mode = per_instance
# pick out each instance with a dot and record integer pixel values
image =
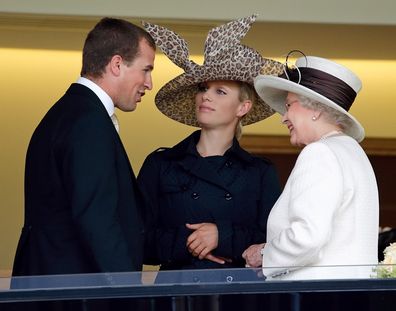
(225, 58)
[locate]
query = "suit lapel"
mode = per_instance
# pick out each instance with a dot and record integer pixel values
(79, 89)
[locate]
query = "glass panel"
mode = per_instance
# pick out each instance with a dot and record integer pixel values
(193, 282)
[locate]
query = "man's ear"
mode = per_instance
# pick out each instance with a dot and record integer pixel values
(244, 108)
(115, 65)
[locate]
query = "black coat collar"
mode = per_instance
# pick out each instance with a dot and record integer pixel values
(185, 153)
(187, 148)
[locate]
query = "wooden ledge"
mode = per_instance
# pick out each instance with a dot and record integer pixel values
(280, 144)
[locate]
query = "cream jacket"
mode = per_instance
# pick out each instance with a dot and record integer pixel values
(326, 217)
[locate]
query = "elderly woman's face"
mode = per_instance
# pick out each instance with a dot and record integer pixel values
(298, 120)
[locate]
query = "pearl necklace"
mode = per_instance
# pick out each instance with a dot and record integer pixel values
(329, 134)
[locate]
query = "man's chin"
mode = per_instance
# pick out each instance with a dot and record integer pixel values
(127, 108)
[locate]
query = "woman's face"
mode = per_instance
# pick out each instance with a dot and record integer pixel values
(298, 120)
(217, 104)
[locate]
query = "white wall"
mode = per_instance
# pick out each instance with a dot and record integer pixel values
(379, 12)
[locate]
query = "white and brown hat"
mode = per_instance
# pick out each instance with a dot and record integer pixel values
(320, 79)
(225, 58)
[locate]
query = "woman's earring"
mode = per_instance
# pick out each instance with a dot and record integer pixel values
(314, 118)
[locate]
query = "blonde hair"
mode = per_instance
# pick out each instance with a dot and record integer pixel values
(246, 92)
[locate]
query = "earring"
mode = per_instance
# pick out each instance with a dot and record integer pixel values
(314, 118)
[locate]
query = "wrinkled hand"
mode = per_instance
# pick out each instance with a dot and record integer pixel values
(203, 240)
(252, 255)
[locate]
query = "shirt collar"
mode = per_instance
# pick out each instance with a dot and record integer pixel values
(103, 96)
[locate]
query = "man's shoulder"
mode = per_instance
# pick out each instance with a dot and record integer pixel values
(79, 92)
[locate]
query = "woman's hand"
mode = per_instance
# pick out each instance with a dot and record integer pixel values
(203, 240)
(217, 259)
(252, 255)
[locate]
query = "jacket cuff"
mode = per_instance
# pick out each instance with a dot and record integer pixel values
(180, 251)
(224, 247)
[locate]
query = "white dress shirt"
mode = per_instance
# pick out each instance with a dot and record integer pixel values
(103, 96)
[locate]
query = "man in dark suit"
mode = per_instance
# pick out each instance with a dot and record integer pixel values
(82, 205)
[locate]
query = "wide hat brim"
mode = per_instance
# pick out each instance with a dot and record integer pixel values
(176, 99)
(274, 90)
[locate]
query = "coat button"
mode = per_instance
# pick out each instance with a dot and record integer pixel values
(195, 195)
(228, 164)
(228, 196)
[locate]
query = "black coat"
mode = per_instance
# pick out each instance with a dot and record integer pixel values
(81, 201)
(235, 191)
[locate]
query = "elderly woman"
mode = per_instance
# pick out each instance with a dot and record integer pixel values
(327, 214)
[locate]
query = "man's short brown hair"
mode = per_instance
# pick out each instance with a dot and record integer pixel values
(111, 37)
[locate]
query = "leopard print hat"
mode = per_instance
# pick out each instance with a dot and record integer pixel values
(225, 58)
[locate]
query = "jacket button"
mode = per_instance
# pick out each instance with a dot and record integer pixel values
(184, 187)
(195, 195)
(228, 196)
(228, 164)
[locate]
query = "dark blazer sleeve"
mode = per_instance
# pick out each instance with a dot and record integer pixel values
(89, 168)
(235, 237)
(269, 193)
(162, 245)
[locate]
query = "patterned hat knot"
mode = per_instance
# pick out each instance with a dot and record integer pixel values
(225, 58)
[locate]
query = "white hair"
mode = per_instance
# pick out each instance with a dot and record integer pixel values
(330, 114)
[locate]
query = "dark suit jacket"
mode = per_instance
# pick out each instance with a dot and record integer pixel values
(235, 191)
(81, 199)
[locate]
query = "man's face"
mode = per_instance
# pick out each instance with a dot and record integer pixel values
(135, 78)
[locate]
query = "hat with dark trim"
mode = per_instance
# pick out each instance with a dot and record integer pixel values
(320, 79)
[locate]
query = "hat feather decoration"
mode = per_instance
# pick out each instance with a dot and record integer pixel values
(220, 39)
(171, 44)
(225, 58)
